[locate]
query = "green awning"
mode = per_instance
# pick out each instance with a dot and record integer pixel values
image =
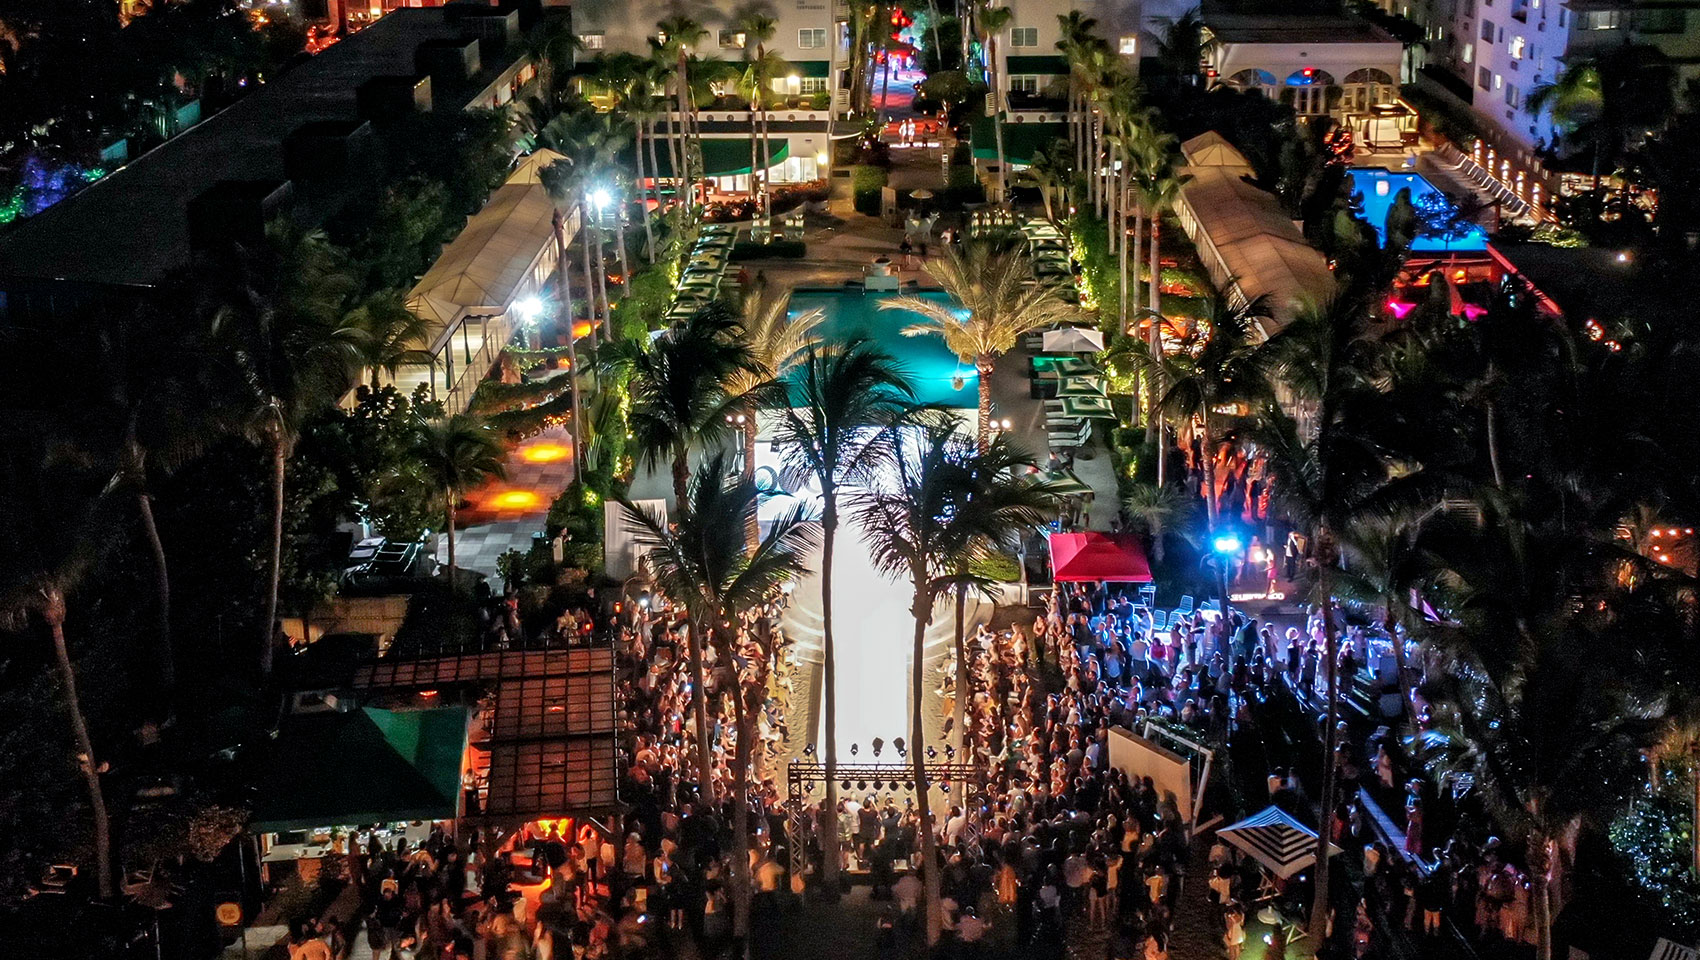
(721, 157)
(363, 766)
(1020, 140)
(811, 68)
(1044, 66)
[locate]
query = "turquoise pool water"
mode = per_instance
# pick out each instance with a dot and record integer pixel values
(1442, 232)
(929, 366)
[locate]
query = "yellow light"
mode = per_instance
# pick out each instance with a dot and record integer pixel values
(515, 500)
(543, 453)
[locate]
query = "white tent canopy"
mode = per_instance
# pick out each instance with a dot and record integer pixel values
(1073, 340)
(1283, 845)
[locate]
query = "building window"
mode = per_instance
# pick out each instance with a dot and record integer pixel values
(812, 38)
(1599, 19)
(1498, 81)
(1128, 46)
(1516, 47)
(1484, 77)
(1024, 84)
(1487, 32)
(1563, 14)
(1512, 97)
(813, 85)
(1024, 36)
(732, 39)
(1469, 53)
(592, 41)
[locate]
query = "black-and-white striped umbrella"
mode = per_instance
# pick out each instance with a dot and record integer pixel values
(1283, 845)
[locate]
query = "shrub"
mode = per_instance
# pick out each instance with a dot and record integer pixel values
(865, 185)
(960, 175)
(773, 250)
(819, 101)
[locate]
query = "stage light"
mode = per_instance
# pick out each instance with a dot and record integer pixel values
(898, 743)
(808, 749)
(853, 749)
(878, 744)
(1226, 543)
(861, 784)
(932, 753)
(845, 785)
(949, 752)
(908, 784)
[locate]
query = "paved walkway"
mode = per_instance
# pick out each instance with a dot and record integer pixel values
(505, 513)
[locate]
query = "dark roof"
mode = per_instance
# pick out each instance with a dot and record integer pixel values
(1043, 65)
(131, 228)
(1232, 27)
(552, 778)
(1020, 140)
(363, 766)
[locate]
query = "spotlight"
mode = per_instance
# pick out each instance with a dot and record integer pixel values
(853, 749)
(932, 753)
(878, 743)
(846, 785)
(949, 752)
(898, 743)
(944, 787)
(808, 749)
(1226, 543)
(908, 784)
(861, 785)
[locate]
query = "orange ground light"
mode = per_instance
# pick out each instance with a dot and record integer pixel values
(514, 500)
(544, 452)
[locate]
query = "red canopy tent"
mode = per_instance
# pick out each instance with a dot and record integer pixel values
(1098, 556)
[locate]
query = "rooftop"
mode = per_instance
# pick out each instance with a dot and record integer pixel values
(1232, 25)
(132, 228)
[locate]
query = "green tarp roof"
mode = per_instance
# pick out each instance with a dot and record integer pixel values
(1049, 65)
(363, 766)
(721, 156)
(810, 68)
(1020, 140)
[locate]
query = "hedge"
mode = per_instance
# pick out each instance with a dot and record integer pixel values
(866, 182)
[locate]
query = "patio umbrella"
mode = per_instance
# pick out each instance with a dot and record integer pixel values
(921, 194)
(1090, 407)
(1283, 845)
(1080, 387)
(1073, 340)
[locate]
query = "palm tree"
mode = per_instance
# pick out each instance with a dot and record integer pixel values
(1157, 508)
(54, 532)
(679, 388)
(1076, 40)
(824, 434)
(391, 335)
(1383, 567)
(277, 322)
(759, 74)
(992, 21)
(1158, 184)
(777, 341)
(1052, 169)
(1183, 46)
(1204, 382)
(680, 35)
(998, 300)
(455, 455)
(698, 561)
(865, 22)
(940, 503)
(1325, 475)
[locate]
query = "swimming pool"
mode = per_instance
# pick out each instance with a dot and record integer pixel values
(1442, 231)
(930, 367)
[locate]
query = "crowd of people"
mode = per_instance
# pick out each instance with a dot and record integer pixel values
(1053, 836)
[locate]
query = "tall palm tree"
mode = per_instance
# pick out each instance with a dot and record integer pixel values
(679, 388)
(1076, 39)
(777, 341)
(277, 323)
(1208, 381)
(54, 532)
(941, 502)
(631, 80)
(992, 22)
(998, 300)
(759, 74)
(1158, 184)
(699, 563)
(1325, 474)
(681, 35)
(454, 455)
(840, 402)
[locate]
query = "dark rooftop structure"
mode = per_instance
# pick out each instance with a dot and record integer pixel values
(1248, 23)
(297, 144)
